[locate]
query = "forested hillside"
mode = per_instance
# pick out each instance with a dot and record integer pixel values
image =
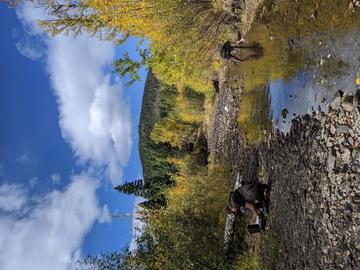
(185, 190)
(157, 171)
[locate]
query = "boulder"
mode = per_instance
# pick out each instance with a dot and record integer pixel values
(342, 129)
(347, 103)
(336, 102)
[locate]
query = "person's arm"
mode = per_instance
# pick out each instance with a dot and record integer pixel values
(252, 208)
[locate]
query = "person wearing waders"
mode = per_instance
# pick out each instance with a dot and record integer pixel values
(248, 196)
(226, 51)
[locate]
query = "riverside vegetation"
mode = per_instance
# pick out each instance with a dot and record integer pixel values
(184, 190)
(195, 140)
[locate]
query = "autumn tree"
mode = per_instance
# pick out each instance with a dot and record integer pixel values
(174, 131)
(184, 35)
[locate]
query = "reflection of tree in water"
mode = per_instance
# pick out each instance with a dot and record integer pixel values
(303, 18)
(295, 35)
(306, 27)
(254, 112)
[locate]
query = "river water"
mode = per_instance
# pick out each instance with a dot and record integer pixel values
(311, 50)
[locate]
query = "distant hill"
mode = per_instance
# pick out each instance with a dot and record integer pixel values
(155, 105)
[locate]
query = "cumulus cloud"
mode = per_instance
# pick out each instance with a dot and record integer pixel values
(12, 197)
(27, 49)
(55, 178)
(50, 235)
(105, 216)
(2, 169)
(24, 159)
(33, 181)
(94, 118)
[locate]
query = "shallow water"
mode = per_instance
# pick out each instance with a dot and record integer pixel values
(311, 50)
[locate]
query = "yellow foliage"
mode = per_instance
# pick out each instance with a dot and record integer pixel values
(190, 105)
(184, 35)
(174, 131)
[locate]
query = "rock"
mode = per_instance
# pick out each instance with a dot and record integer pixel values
(332, 129)
(331, 161)
(284, 113)
(342, 129)
(356, 198)
(356, 100)
(346, 157)
(336, 102)
(347, 103)
(356, 155)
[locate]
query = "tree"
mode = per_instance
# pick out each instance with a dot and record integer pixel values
(128, 66)
(174, 131)
(106, 261)
(183, 34)
(136, 188)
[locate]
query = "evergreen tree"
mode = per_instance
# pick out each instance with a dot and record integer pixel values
(135, 187)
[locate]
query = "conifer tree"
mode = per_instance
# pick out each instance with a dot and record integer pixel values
(135, 187)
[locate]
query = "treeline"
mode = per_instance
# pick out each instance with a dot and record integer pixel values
(167, 134)
(185, 191)
(183, 35)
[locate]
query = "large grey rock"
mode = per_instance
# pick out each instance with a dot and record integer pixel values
(332, 129)
(336, 102)
(331, 161)
(347, 103)
(342, 129)
(346, 157)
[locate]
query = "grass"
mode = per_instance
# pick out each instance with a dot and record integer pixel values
(264, 255)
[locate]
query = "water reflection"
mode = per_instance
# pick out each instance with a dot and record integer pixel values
(311, 49)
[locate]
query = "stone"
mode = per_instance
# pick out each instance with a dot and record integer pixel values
(336, 102)
(356, 155)
(351, 141)
(284, 113)
(356, 100)
(356, 198)
(329, 144)
(347, 103)
(342, 129)
(331, 161)
(346, 157)
(332, 129)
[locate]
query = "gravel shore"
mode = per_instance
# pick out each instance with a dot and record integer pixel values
(314, 171)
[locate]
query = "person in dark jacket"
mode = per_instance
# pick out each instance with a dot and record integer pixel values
(226, 51)
(248, 196)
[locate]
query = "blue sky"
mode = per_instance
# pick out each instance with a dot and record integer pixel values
(69, 132)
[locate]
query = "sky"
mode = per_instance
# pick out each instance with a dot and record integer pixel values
(68, 134)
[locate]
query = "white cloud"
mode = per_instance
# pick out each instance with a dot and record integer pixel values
(55, 178)
(24, 159)
(33, 182)
(27, 49)
(105, 216)
(12, 197)
(50, 235)
(2, 168)
(94, 118)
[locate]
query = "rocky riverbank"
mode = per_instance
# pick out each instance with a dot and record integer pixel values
(226, 142)
(314, 171)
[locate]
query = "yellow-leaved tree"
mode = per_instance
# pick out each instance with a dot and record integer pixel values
(184, 35)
